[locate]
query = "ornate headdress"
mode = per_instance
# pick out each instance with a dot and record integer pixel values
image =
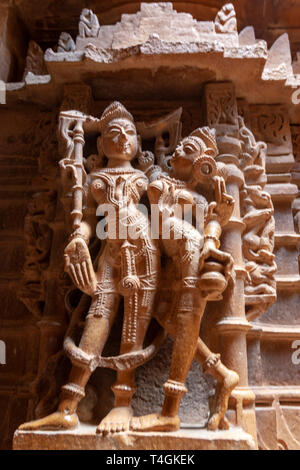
(206, 140)
(114, 111)
(204, 164)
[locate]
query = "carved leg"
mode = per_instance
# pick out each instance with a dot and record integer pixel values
(186, 332)
(84, 30)
(226, 381)
(95, 334)
(211, 363)
(133, 335)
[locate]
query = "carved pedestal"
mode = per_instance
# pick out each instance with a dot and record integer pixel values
(85, 438)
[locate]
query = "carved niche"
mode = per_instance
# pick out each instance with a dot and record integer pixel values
(178, 172)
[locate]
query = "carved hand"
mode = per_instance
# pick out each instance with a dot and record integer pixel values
(221, 210)
(211, 253)
(78, 265)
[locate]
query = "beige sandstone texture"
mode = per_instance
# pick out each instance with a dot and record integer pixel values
(85, 438)
(157, 103)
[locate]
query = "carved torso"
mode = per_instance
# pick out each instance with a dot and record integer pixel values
(173, 196)
(122, 190)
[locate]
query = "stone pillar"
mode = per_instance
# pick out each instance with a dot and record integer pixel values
(278, 326)
(221, 113)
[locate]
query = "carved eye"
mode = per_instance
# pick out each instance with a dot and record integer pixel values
(130, 132)
(190, 149)
(113, 132)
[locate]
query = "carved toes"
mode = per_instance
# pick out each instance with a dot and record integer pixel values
(56, 421)
(116, 421)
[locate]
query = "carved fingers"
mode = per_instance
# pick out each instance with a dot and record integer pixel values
(78, 265)
(213, 254)
(221, 210)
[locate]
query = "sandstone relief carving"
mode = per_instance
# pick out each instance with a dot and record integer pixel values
(258, 216)
(130, 266)
(38, 238)
(230, 179)
(157, 26)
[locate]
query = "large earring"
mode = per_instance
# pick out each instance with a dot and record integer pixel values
(204, 168)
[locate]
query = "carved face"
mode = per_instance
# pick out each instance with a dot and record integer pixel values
(85, 12)
(119, 140)
(185, 154)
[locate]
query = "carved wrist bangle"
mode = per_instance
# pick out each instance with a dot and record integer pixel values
(78, 235)
(74, 390)
(212, 237)
(122, 389)
(212, 362)
(174, 388)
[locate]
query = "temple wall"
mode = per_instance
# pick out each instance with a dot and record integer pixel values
(33, 316)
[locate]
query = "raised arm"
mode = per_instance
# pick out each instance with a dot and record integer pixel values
(217, 216)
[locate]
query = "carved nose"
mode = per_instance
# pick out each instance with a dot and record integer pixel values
(122, 135)
(179, 152)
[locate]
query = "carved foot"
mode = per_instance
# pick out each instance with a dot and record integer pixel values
(217, 418)
(56, 421)
(155, 422)
(117, 420)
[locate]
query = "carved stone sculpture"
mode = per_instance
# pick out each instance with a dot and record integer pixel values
(65, 43)
(130, 266)
(201, 272)
(258, 237)
(127, 267)
(35, 63)
(225, 21)
(88, 25)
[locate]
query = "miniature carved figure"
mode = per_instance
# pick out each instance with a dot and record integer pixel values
(258, 216)
(88, 24)
(225, 21)
(66, 43)
(35, 63)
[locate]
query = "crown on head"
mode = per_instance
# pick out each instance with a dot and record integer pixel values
(114, 111)
(208, 137)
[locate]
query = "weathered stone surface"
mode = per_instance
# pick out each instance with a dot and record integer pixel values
(279, 63)
(85, 438)
(12, 45)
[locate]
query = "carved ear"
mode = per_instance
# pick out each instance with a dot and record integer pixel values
(204, 169)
